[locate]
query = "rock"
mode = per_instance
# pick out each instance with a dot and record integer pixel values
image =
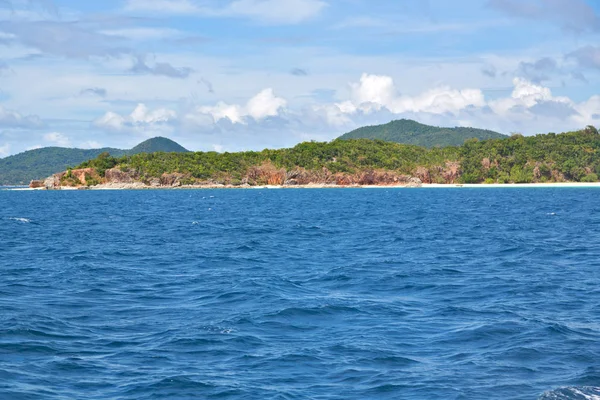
(115, 175)
(52, 182)
(81, 174)
(414, 183)
(35, 184)
(291, 182)
(173, 179)
(154, 182)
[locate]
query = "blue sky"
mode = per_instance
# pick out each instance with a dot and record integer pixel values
(230, 75)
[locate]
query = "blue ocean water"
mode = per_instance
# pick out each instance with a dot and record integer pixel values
(300, 294)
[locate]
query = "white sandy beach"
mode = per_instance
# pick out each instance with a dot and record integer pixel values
(140, 186)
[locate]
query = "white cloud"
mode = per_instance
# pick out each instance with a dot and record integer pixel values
(277, 11)
(13, 119)
(57, 139)
(142, 34)
(162, 6)
(265, 104)
(141, 119)
(268, 11)
(374, 92)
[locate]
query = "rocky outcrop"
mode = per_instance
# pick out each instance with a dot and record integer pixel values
(423, 174)
(414, 183)
(115, 175)
(452, 171)
(173, 180)
(82, 175)
(36, 184)
(53, 182)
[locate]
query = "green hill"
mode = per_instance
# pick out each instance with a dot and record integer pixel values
(21, 168)
(157, 144)
(407, 131)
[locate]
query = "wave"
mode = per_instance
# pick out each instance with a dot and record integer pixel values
(22, 220)
(573, 393)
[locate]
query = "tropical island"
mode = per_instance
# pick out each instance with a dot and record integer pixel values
(545, 158)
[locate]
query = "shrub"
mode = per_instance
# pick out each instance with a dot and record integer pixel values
(590, 178)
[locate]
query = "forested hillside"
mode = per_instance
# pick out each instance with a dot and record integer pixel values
(411, 132)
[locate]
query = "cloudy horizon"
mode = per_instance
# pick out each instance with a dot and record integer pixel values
(251, 74)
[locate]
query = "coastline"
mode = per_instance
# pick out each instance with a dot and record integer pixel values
(141, 186)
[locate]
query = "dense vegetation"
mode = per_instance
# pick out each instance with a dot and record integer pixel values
(571, 156)
(411, 132)
(40, 163)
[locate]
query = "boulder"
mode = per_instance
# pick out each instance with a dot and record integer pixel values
(52, 182)
(414, 183)
(35, 184)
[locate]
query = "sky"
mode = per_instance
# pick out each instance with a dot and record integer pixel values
(230, 75)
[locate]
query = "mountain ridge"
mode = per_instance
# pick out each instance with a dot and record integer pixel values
(38, 163)
(407, 131)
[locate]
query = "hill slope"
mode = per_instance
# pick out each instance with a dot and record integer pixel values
(407, 131)
(39, 163)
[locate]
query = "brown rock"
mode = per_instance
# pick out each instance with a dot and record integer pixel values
(173, 179)
(80, 174)
(35, 184)
(414, 183)
(115, 175)
(423, 174)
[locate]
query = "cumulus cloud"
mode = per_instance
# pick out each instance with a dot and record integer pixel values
(374, 92)
(265, 104)
(13, 119)
(141, 120)
(57, 139)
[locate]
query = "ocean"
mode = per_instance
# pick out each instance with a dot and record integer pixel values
(300, 294)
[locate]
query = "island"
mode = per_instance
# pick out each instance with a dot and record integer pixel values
(545, 158)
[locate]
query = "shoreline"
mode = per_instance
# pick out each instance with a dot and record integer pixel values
(140, 186)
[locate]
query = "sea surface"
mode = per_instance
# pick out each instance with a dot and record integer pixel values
(300, 294)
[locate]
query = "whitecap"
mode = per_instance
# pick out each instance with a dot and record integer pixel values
(23, 220)
(573, 393)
